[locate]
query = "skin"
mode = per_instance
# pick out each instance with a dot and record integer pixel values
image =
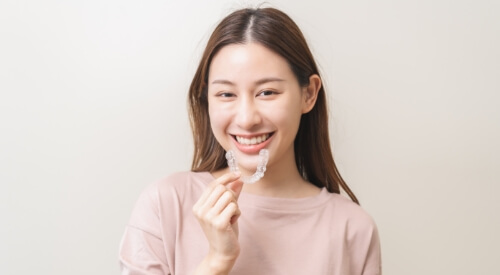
(251, 92)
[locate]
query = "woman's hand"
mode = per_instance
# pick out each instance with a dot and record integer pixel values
(217, 212)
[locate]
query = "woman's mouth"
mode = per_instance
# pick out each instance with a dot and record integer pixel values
(252, 140)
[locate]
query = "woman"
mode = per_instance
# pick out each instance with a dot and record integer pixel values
(257, 87)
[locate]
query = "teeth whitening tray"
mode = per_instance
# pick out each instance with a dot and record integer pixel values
(261, 168)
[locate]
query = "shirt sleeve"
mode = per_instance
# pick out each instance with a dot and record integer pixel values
(364, 246)
(142, 249)
(373, 260)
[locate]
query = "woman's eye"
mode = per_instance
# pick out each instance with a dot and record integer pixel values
(267, 93)
(225, 94)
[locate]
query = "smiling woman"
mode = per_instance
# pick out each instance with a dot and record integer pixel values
(257, 87)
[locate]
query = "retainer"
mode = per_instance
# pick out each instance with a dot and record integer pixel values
(261, 167)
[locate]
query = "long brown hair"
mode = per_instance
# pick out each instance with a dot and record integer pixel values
(276, 31)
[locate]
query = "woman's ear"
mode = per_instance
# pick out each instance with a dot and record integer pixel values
(310, 93)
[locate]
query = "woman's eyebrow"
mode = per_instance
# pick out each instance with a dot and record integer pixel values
(268, 79)
(258, 82)
(223, 81)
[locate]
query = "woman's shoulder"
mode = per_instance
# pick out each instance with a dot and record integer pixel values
(347, 211)
(155, 205)
(169, 189)
(182, 177)
(181, 182)
(358, 228)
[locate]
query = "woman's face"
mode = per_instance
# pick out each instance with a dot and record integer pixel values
(255, 102)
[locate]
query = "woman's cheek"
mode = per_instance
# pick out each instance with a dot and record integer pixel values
(219, 121)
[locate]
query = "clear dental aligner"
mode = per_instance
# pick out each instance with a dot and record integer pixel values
(261, 167)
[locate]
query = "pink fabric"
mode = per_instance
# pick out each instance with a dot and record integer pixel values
(324, 234)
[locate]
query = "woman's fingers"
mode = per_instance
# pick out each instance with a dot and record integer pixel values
(215, 195)
(223, 201)
(231, 213)
(227, 178)
(218, 195)
(214, 190)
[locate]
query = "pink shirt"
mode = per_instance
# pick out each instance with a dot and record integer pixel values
(323, 234)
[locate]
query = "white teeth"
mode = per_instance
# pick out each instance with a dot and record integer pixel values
(252, 141)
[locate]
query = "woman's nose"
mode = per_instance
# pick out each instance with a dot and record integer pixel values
(247, 114)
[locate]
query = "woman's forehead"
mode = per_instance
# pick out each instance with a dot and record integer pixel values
(249, 62)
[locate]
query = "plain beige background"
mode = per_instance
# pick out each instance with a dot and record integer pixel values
(93, 109)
